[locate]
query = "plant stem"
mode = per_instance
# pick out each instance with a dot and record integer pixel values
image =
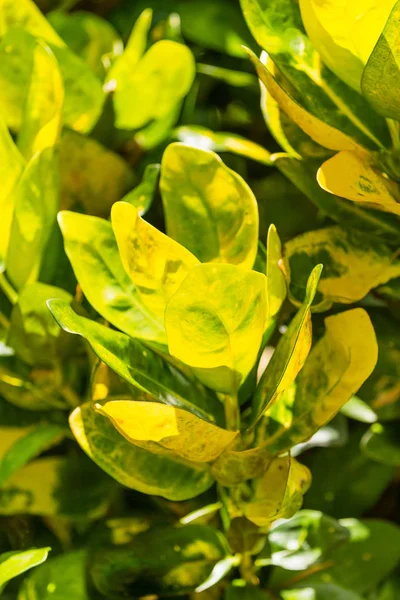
(393, 127)
(8, 289)
(232, 414)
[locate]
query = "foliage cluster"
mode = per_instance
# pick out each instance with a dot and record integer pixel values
(199, 357)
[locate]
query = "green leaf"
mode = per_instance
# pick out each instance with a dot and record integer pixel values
(139, 365)
(348, 490)
(244, 592)
(214, 214)
(381, 76)
(156, 427)
(346, 256)
(345, 33)
(58, 485)
(92, 176)
(162, 561)
(336, 367)
(303, 174)
(370, 555)
(42, 116)
(356, 178)
(84, 96)
(12, 165)
(92, 38)
(381, 443)
(33, 333)
(216, 319)
(160, 80)
(303, 540)
(135, 467)
(359, 410)
(35, 200)
(233, 467)
(290, 354)
(142, 196)
(13, 564)
(61, 578)
(27, 447)
(219, 141)
(92, 249)
(278, 493)
(155, 263)
(320, 591)
(276, 283)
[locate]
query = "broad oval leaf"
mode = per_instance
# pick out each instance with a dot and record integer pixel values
(337, 366)
(347, 257)
(155, 263)
(278, 493)
(60, 578)
(42, 116)
(216, 319)
(139, 365)
(135, 467)
(345, 33)
(172, 428)
(351, 176)
(381, 76)
(13, 564)
(160, 80)
(290, 354)
(233, 467)
(92, 249)
(214, 213)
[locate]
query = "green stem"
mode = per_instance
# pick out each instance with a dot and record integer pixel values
(232, 414)
(7, 288)
(393, 127)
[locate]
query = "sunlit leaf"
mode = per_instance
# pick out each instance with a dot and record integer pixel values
(133, 466)
(321, 132)
(337, 366)
(42, 116)
(172, 428)
(160, 80)
(141, 197)
(139, 365)
(352, 265)
(92, 249)
(214, 214)
(14, 563)
(35, 200)
(276, 283)
(345, 33)
(352, 176)
(278, 493)
(216, 319)
(155, 263)
(234, 467)
(290, 354)
(381, 76)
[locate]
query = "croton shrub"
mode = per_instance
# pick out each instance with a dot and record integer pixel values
(199, 355)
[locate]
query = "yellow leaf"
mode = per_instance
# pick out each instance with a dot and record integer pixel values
(155, 263)
(276, 282)
(318, 130)
(337, 366)
(172, 428)
(278, 493)
(344, 32)
(352, 176)
(42, 117)
(352, 265)
(216, 319)
(209, 208)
